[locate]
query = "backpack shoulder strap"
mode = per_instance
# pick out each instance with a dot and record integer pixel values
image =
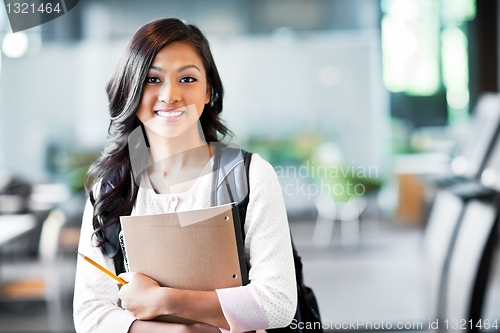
(230, 180)
(242, 206)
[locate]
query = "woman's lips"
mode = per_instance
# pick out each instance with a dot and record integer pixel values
(169, 116)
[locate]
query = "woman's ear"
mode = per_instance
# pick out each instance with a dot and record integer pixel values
(208, 95)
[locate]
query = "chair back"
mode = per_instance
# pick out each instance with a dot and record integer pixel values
(470, 263)
(49, 238)
(477, 143)
(439, 237)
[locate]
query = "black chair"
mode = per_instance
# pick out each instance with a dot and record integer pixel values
(470, 264)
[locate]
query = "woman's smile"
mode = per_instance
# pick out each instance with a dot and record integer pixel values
(169, 115)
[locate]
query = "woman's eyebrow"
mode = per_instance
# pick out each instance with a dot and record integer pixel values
(159, 69)
(156, 68)
(188, 66)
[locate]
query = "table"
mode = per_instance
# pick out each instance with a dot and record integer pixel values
(409, 169)
(14, 226)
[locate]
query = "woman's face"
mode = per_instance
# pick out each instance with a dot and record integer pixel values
(175, 91)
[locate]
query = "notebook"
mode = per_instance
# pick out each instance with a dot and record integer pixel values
(196, 250)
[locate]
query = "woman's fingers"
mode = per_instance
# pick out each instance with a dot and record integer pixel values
(139, 295)
(125, 276)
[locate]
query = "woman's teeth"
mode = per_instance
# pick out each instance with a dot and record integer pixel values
(169, 114)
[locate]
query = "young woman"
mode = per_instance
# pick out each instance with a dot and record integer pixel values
(167, 89)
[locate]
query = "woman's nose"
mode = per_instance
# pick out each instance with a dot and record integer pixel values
(169, 94)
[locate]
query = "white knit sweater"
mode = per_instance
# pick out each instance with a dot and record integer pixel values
(268, 301)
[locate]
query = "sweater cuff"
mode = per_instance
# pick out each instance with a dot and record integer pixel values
(119, 319)
(242, 308)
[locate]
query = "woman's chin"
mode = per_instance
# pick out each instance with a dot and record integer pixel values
(163, 129)
(165, 132)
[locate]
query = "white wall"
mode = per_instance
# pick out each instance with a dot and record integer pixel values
(274, 87)
(328, 83)
(57, 96)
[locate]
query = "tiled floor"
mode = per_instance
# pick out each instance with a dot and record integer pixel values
(383, 279)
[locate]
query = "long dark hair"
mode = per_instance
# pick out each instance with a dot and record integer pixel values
(110, 180)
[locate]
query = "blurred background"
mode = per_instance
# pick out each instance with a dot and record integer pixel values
(380, 118)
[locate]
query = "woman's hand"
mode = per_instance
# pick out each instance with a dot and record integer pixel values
(141, 296)
(146, 299)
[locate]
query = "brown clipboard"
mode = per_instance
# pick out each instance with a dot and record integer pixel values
(196, 250)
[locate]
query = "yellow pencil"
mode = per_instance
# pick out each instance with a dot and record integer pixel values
(103, 269)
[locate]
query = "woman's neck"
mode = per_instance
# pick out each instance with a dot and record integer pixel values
(177, 162)
(176, 153)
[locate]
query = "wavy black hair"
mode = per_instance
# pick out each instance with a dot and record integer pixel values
(110, 180)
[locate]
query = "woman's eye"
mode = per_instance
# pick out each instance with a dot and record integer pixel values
(188, 79)
(152, 79)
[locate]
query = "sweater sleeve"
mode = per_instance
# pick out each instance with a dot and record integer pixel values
(270, 299)
(95, 303)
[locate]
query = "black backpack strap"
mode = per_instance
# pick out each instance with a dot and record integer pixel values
(242, 206)
(230, 184)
